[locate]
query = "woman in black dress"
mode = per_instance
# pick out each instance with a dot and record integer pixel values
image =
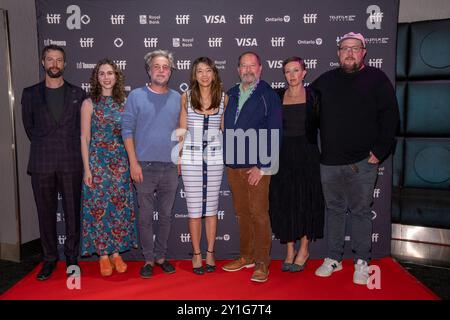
(296, 200)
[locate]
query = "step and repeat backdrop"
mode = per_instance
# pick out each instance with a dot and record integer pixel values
(222, 29)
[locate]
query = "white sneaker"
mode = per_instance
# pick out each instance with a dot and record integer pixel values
(361, 274)
(328, 267)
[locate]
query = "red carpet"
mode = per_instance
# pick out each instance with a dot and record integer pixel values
(396, 284)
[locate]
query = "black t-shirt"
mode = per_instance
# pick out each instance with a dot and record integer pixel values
(358, 114)
(55, 101)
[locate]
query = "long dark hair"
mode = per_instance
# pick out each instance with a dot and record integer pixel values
(216, 85)
(118, 92)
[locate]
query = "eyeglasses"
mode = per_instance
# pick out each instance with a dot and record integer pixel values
(352, 49)
(157, 67)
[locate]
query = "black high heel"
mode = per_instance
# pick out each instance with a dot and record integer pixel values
(199, 270)
(210, 268)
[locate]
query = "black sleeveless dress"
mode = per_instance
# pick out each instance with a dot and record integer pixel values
(296, 202)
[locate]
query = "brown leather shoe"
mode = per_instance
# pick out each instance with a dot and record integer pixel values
(105, 267)
(118, 264)
(238, 264)
(261, 273)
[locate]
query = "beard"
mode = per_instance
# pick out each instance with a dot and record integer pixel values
(248, 78)
(51, 74)
(352, 66)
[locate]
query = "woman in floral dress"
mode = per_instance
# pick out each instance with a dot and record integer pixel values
(108, 215)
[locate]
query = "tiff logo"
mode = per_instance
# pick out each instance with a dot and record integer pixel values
(310, 18)
(117, 18)
(220, 214)
(376, 62)
(75, 19)
(86, 42)
(62, 239)
(375, 17)
(185, 237)
(155, 215)
(375, 237)
(376, 193)
(275, 64)
(246, 19)
(182, 18)
(246, 42)
(150, 42)
(277, 41)
(277, 85)
(121, 64)
(183, 64)
(215, 42)
(86, 86)
(311, 63)
(214, 19)
(53, 18)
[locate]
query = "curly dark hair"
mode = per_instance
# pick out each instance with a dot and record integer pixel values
(118, 93)
(216, 85)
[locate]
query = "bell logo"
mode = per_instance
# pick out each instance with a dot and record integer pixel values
(182, 18)
(215, 42)
(86, 42)
(75, 19)
(53, 18)
(246, 19)
(376, 62)
(183, 64)
(277, 41)
(311, 63)
(214, 19)
(246, 42)
(275, 64)
(310, 18)
(375, 17)
(150, 42)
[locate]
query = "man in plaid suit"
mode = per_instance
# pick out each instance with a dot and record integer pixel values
(51, 117)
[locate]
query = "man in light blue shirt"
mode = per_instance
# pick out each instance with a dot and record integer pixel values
(151, 115)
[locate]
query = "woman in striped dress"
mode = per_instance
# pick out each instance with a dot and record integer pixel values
(201, 112)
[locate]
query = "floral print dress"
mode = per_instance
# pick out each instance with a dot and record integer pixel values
(108, 208)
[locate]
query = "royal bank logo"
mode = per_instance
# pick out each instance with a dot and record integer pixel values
(311, 63)
(117, 19)
(118, 42)
(220, 64)
(121, 64)
(149, 19)
(277, 41)
(277, 85)
(53, 18)
(86, 42)
(375, 17)
(182, 18)
(275, 64)
(310, 18)
(183, 42)
(183, 64)
(150, 42)
(214, 19)
(215, 42)
(75, 18)
(342, 18)
(376, 62)
(246, 42)
(60, 43)
(246, 19)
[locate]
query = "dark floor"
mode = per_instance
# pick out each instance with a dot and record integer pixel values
(436, 278)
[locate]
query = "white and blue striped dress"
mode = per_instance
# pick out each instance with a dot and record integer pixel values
(202, 161)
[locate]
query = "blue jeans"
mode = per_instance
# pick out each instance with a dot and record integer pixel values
(160, 178)
(349, 188)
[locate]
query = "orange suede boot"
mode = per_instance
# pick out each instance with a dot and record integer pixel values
(118, 264)
(106, 268)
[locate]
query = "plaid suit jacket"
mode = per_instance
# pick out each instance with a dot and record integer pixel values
(55, 146)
